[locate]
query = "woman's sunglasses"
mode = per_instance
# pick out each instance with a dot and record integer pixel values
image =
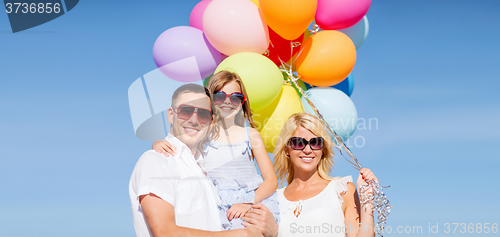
(236, 98)
(299, 143)
(185, 112)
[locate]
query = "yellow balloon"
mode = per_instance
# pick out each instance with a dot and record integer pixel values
(256, 2)
(271, 119)
(262, 78)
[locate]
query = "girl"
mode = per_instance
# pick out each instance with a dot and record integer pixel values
(228, 156)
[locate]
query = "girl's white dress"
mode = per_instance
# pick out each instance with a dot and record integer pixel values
(231, 167)
(320, 215)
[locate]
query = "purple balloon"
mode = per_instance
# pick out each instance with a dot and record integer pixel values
(184, 54)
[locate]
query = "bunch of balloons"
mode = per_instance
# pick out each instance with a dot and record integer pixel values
(269, 44)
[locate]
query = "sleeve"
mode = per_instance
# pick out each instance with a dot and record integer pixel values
(155, 174)
(341, 187)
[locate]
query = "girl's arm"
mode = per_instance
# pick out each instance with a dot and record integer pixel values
(164, 147)
(356, 213)
(270, 184)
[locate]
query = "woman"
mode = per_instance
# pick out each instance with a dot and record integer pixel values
(314, 204)
(228, 155)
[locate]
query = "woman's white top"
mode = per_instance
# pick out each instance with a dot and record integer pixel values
(320, 215)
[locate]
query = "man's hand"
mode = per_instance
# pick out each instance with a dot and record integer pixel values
(261, 217)
(238, 210)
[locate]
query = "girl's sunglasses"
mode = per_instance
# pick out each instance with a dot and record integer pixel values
(236, 98)
(299, 143)
(185, 112)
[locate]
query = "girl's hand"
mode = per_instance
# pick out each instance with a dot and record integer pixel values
(238, 210)
(164, 147)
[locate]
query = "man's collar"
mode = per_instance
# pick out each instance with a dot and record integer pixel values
(182, 147)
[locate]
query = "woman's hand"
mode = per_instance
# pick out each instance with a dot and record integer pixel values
(164, 147)
(365, 175)
(261, 217)
(238, 210)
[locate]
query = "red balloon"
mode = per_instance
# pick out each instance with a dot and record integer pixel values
(281, 48)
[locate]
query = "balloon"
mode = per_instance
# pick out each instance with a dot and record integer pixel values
(270, 120)
(256, 2)
(326, 58)
(196, 17)
(288, 18)
(346, 86)
(336, 107)
(262, 79)
(280, 48)
(357, 32)
(234, 26)
(340, 14)
(184, 54)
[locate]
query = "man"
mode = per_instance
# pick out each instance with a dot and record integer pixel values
(174, 196)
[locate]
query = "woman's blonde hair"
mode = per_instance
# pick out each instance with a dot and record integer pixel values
(219, 80)
(282, 163)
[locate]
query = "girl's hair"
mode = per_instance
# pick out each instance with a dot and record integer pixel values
(282, 163)
(219, 80)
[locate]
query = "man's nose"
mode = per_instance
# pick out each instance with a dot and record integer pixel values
(193, 120)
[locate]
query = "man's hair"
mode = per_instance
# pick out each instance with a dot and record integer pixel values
(189, 88)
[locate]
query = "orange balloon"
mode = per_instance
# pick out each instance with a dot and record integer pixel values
(326, 58)
(288, 18)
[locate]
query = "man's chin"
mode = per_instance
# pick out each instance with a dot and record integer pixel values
(191, 139)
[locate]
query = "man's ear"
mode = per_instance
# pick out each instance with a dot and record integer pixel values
(170, 115)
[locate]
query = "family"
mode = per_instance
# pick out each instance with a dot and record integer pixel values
(201, 180)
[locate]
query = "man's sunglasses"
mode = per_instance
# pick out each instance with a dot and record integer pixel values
(236, 98)
(299, 143)
(185, 112)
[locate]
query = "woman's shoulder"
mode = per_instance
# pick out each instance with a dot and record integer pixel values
(340, 185)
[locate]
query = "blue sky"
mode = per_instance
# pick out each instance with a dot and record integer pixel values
(427, 73)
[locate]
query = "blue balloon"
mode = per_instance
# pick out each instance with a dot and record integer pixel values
(336, 107)
(358, 32)
(347, 85)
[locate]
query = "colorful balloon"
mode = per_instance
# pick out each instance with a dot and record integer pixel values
(288, 18)
(281, 49)
(326, 58)
(184, 54)
(340, 14)
(234, 26)
(336, 107)
(357, 32)
(270, 120)
(196, 17)
(256, 2)
(346, 86)
(262, 79)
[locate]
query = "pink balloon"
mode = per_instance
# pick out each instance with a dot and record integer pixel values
(234, 26)
(340, 14)
(196, 17)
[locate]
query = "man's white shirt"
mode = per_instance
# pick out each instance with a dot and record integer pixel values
(180, 181)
